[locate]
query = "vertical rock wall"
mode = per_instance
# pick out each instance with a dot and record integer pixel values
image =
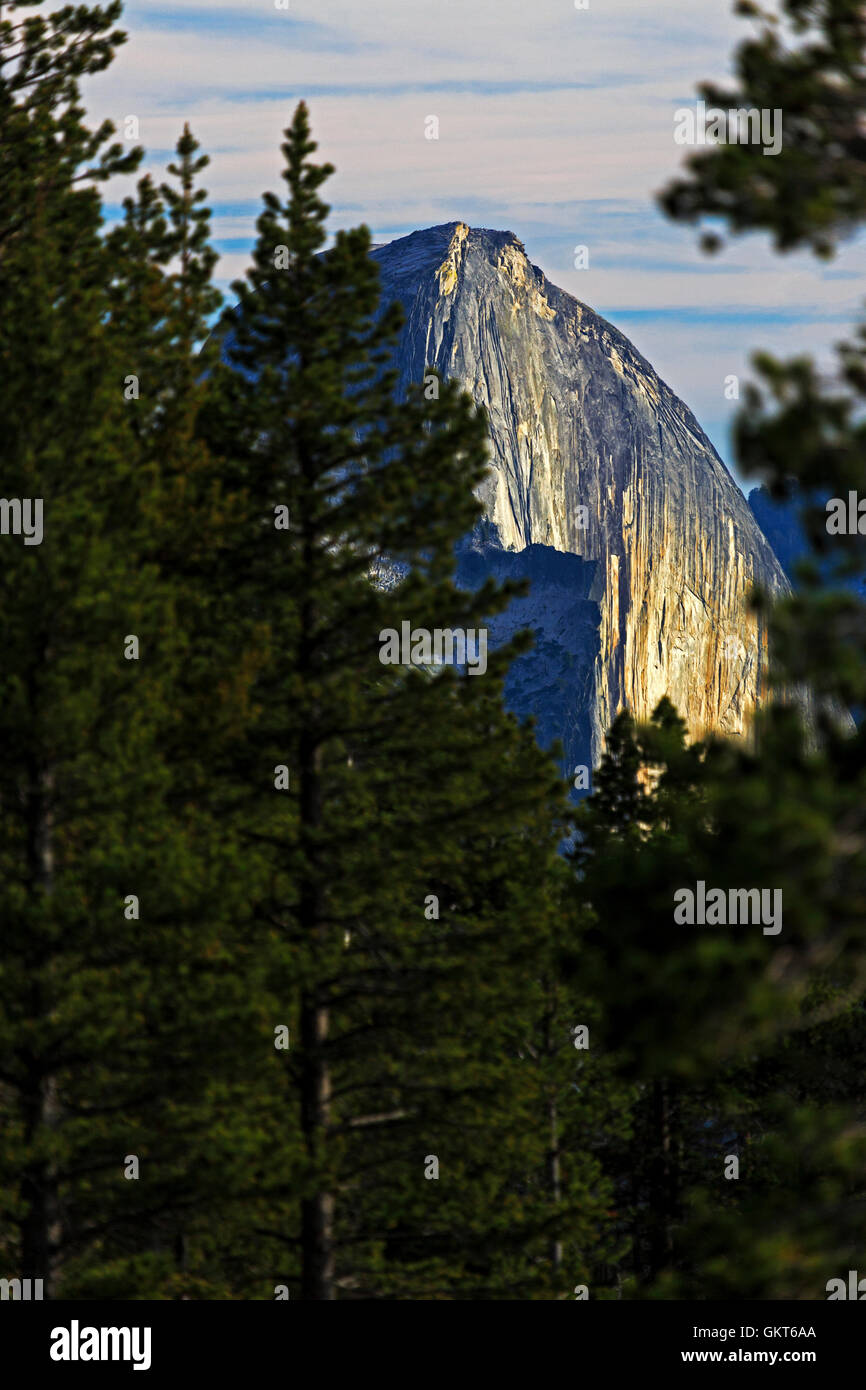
(579, 420)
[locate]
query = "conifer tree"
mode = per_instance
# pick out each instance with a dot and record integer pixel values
(110, 1014)
(408, 823)
(705, 1021)
(801, 798)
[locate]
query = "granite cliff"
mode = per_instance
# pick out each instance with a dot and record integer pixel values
(604, 491)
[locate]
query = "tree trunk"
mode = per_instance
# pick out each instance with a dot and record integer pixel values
(662, 1194)
(553, 1178)
(317, 1211)
(40, 1226)
(40, 1108)
(554, 1183)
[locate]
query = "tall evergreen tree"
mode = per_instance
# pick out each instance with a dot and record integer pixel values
(107, 859)
(712, 1024)
(409, 824)
(785, 1097)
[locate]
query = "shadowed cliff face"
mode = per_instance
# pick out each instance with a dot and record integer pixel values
(592, 457)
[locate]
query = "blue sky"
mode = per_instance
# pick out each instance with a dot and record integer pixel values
(555, 123)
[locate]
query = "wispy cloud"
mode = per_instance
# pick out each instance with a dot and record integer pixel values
(555, 123)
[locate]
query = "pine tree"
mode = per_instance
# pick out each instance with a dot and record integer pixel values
(696, 1018)
(408, 823)
(793, 813)
(805, 67)
(107, 858)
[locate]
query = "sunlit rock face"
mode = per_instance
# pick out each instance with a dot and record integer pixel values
(604, 490)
